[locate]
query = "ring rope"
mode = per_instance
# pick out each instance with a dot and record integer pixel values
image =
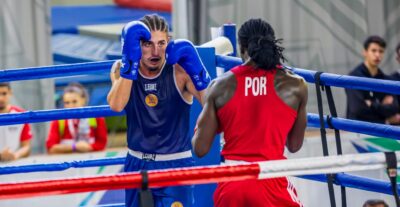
(56, 114)
(198, 175)
(356, 182)
(373, 129)
(330, 79)
(60, 166)
(355, 126)
(227, 62)
(53, 71)
(342, 179)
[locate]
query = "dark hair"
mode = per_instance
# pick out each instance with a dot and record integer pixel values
(374, 39)
(155, 22)
(77, 88)
(375, 202)
(258, 37)
(5, 84)
(398, 48)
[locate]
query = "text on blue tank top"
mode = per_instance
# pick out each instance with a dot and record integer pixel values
(157, 116)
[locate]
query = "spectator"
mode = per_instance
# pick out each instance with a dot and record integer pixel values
(76, 135)
(369, 105)
(396, 76)
(15, 140)
(375, 203)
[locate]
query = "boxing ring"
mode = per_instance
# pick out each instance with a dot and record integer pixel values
(330, 169)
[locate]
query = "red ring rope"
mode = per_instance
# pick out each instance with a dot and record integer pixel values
(161, 178)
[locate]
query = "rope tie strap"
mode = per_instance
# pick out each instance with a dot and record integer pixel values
(145, 196)
(391, 161)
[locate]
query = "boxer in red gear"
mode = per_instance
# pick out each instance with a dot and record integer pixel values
(261, 107)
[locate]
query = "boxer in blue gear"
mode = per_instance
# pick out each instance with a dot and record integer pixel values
(157, 133)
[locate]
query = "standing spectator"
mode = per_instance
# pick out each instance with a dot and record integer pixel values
(15, 140)
(375, 203)
(396, 76)
(368, 105)
(76, 135)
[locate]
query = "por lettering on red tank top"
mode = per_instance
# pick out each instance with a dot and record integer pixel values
(255, 121)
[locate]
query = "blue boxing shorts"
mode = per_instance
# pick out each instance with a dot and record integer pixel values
(179, 196)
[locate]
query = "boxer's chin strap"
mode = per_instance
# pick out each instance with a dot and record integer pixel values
(391, 162)
(145, 196)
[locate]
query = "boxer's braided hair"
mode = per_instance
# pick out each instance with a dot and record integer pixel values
(258, 37)
(155, 22)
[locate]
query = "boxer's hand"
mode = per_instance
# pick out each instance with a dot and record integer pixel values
(132, 34)
(185, 54)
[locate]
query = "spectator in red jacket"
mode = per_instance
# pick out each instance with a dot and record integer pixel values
(76, 135)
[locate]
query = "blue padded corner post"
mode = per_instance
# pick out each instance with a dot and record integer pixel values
(229, 31)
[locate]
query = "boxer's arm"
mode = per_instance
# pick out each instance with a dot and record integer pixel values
(120, 91)
(199, 95)
(189, 87)
(296, 134)
(207, 124)
(114, 74)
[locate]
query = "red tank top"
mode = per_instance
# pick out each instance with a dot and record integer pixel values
(255, 121)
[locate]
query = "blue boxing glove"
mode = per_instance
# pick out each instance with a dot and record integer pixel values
(184, 53)
(132, 34)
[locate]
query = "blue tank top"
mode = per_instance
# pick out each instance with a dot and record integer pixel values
(157, 115)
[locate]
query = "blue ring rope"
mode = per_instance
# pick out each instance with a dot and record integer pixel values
(32, 73)
(226, 62)
(61, 166)
(362, 127)
(345, 81)
(57, 114)
(357, 182)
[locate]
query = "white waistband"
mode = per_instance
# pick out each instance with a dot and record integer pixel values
(160, 157)
(228, 162)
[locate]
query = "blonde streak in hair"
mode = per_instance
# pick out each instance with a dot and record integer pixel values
(147, 23)
(165, 27)
(157, 22)
(153, 25)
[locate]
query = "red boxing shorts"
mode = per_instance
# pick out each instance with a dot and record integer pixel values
(276, 192)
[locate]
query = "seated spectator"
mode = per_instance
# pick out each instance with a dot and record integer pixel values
(76, 135)
(369, 105)
(375, 203)
(15, 140)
